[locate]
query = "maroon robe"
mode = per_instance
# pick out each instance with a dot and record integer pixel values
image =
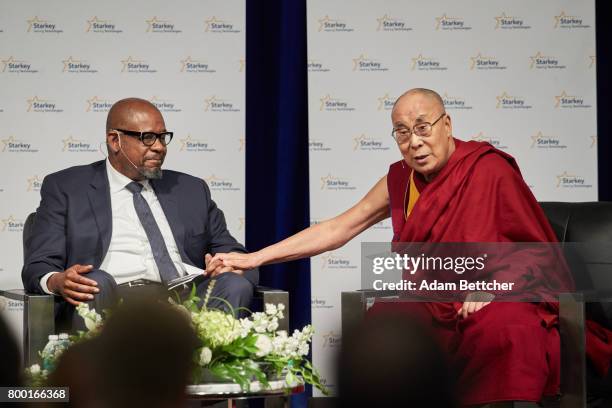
(505, 351)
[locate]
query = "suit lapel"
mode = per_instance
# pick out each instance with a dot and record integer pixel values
(171, 210)
(99, 199)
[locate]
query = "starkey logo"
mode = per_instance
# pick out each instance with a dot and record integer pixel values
(541, 61)
(506, 22)
(215, 25)
(36, 104)
(368, 143)
(196, 66)
(77, 66)
(315, 145)
(38, 25)
(495, 142)
(34, 183)
(72, 145)
(332, 183)
(13, 145)
(216, 104)
(136, 66)
(14, 66)
(540, 141)
(506, 101)
(566, 101)
(333, 261)
(593, 139)
(385, 102)
(331, 339)
(164, 105)
(220, 184)
(388, 23)
(445, 22)
(317, 66)
(11, 224)
(157, 25)
(330, 25)
(484, 62)
(97, 104)
(563, 20)
(318, 303)
(190, 144)
(567, 180)
(454, 102)
(421, 63)
(592, 61)
(97, 25)
(331, 104)
(364, 64)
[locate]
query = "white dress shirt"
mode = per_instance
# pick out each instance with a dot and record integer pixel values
(129, 256)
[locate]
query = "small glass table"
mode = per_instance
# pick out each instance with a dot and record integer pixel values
(219, 391)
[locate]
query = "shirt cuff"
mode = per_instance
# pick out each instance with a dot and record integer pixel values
(43, 283)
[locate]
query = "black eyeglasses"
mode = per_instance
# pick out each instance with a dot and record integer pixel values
(401, 135)
(148, 138)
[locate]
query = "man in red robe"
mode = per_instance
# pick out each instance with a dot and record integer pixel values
(447, 190)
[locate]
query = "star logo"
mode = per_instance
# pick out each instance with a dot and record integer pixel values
(128, 61)
(67, 142)
(357, 60)
(499, 19)
(6, 222)
(535, 138)
(563, 176)
(6, 142)
(186, 61)
(6, 62)
(593, 59)
(242, 144)
(535, 58)
(381, 21)
(559, 98)
(213, 20)
(33, 21)
(444, 18)
(593, 141)
(358, 140)
(32, 101)
(325, 179)
(416, 60)
(322, 22)
(324, 100)
(330, 339)
(480, 137)
(67, 63)
(152, 21)
(92, 102)
(382, 100)
(559, 18)
(184, 142)
(92, 21)
(242, 62)
(475, 59)
(33, 182)
(501, 98)
(209, 101)
(212, 178)
(241, 223)
(325, 259)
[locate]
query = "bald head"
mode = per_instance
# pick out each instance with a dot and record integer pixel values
(126, 111)
(428, 93)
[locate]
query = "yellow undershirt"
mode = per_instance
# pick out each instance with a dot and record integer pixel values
(413, 195)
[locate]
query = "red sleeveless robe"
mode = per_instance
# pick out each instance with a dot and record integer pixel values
(505, 351)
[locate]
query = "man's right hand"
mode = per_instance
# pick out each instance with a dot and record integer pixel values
(72, 286)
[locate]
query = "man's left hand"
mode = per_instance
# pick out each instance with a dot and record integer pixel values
(215, 267)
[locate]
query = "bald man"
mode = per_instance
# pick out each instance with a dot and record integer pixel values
(448, 190)
(123, 226)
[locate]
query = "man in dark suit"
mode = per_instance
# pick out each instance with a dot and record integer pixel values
(124, 225)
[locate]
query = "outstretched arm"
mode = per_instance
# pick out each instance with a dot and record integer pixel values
(325, 236)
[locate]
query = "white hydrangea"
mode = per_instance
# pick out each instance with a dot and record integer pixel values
(295, 346)
(217, 328)
(264, 345)
(92, 319)
(34, 369)
(205, 356)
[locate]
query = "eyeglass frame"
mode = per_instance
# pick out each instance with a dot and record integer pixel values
(411, 132)
(141, 135)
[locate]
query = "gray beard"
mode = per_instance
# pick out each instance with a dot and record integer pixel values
(150, 174)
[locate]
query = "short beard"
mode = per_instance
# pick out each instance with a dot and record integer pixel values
(150, 174)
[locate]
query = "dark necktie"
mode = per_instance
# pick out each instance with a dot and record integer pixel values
(167, 270)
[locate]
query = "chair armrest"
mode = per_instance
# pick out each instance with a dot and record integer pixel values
(275, 296)
(38, 321)
(573, 349)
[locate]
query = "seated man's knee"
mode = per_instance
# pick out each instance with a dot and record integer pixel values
(103, 278)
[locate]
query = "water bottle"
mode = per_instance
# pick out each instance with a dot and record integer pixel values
(64, 341)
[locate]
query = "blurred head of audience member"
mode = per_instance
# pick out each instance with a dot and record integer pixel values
(143, 357)
(10, 367)
(392, 360)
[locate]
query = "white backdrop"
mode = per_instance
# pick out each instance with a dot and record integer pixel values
(63, 64)
(520, 74)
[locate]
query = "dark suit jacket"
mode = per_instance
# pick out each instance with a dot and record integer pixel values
(73, 222)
